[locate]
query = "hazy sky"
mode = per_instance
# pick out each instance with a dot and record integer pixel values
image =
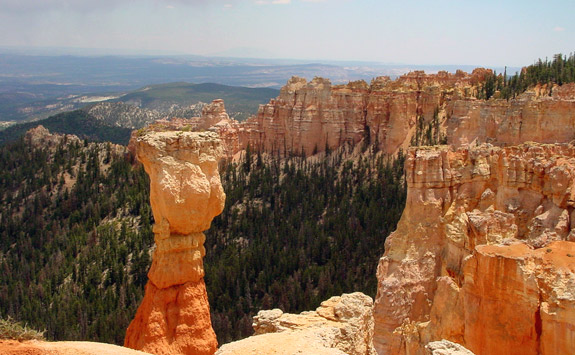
(486, 32)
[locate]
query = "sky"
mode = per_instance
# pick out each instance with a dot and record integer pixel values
(427, 32)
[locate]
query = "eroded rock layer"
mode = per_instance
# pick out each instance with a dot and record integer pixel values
(185, 195)
(483, 254)
(530, 117)
(312, 116)
(340, 325)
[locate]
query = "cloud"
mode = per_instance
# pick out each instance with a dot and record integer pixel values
(281, 2)
(559, 29)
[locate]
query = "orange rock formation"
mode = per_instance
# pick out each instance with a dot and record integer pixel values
(477, 219)
(530, 117)
(311, 116)
(483, 254)
(185, 195)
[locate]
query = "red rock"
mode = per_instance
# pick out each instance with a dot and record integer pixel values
(173, 320)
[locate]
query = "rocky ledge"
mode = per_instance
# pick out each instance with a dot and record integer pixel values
(341, 325)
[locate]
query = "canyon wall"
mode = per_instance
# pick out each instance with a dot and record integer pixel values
(483, 254)
(312, 116)
(530, 117)
(185, 195)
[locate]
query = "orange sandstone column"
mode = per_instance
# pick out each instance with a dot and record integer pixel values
(185, 195)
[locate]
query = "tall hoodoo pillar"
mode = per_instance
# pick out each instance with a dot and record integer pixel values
(185, 195)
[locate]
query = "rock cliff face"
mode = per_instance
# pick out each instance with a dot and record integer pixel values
(311, 116)
(483, 254)
(446, 347)
(530, 117)
(341, 325)
(185, 195)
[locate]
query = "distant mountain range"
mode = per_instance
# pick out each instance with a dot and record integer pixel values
(33, 105)
(241, 102)
(37, 86)
(114, 119)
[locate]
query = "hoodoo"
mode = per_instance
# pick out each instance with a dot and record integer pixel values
(185, 195)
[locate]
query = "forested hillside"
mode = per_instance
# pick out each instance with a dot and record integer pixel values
(560, 70)
(241, 102)
(78, 122)
(296, 232)
(75, 236)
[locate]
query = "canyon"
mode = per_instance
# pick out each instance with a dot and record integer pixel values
(488, 217)
(483, 257)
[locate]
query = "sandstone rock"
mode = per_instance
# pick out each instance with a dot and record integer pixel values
(311, 116)
(530, 117)
(341, 325)
(308, 117)
(469, 261)
(532, 280)
(185, 195)
(283, 344)
(213, 118)
(445, 347)
(173, 320)
(565, 91)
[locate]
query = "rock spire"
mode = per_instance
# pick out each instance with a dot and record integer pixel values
(186, 194)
